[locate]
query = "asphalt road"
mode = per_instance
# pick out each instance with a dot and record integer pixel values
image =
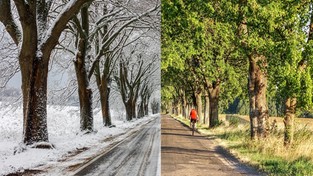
(186, 155)
(138, 155)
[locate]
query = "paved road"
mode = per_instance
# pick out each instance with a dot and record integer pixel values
(138, 155)
(185, 155)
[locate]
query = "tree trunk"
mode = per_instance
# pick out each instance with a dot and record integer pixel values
(35, 101)
(141, 109)
(34, 69)
(189, 107)
(106, 111)
(206, 110)
(133, 110)
(243, 32)
(257, 94)
(184, 107)
(175, 106)
(84, 90)
(129, 113)
(146, 108)
(199, 105)
(261, 102)
(178, 107)
(85, 96)
(290, 104)
(214, 91)
(105, 87)
(130, 106)
(252, 99)
(104, 91)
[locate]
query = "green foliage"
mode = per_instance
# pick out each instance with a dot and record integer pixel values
(278, 166)
(288, 50)
(199, 44)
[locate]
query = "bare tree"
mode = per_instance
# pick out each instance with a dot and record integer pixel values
(132, 73)
(145, 94)
(99, 37)
(155, 106)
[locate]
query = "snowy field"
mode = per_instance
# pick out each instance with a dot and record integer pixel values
(64, 134)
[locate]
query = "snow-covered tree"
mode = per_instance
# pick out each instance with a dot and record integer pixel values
(36, 34)
(134, 70)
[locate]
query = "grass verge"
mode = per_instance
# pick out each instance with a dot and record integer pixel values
(269, 154)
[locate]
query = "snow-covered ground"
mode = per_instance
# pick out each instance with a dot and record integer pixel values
(64, 134)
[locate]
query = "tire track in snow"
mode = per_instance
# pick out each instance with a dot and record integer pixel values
(136, 155)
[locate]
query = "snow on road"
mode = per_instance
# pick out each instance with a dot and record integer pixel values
(64, 134)
(138, 154)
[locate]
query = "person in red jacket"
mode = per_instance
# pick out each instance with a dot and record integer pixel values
(193, 116)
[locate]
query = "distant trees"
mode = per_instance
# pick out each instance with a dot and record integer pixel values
(133, 72)
(146, 90)
(155, 106)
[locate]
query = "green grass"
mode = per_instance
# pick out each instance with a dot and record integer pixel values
(268, 155)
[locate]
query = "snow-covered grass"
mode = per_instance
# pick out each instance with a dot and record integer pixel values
(64, 134)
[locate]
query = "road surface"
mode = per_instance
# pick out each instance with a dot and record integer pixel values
(138, 155)
(184, 155)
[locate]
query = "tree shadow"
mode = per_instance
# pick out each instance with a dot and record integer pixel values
(191, 151)
(186, 135)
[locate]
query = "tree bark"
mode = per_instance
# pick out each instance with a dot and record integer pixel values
(85, 95)
(6, 17)
(257, 94)
(214, 91)
(35, 103)
(206, 110)
(104, 90)
(133, 109)
(198, 96)
(141, 110)
(178, 108)
(184, 107)
(290, 104)
(129, 114)
(130, 106)
(84, 90)
(146, 107)
(252, 100)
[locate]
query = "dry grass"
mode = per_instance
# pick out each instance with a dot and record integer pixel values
(300, 122)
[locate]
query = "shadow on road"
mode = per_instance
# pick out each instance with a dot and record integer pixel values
(187, 135)
(192, 152)
(173, 129)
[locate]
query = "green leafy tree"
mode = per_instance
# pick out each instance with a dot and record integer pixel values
(290, 62)
(196, 42)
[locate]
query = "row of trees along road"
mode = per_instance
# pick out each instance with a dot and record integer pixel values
(221, 51)
(97, 36)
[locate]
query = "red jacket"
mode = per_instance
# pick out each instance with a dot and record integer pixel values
(193, 114)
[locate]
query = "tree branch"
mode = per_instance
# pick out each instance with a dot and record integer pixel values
(60, 23)
(6, 18)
